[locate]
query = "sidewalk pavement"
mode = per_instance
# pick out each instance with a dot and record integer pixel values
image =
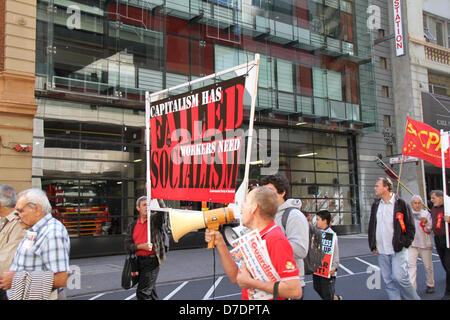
(100, 274)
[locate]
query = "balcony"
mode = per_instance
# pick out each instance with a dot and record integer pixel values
(433, 52)
(437, 54)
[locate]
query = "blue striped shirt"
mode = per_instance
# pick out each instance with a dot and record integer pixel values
(50, 250)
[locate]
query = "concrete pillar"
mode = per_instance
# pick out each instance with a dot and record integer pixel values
(409, 79)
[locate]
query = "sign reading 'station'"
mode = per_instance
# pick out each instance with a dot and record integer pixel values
(398, 27)
(195, 148)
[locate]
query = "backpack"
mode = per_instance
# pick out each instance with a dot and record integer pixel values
(313, 259)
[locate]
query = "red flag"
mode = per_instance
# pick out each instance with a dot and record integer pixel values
(424, 142)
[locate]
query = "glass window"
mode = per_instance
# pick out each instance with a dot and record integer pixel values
(266, 72)
(202, 58)
(319, 171)
(319, 83)
(301, 177)
(177, 54)
(99, 55)
(448, 34)
(439, 34)
(284, 75)
(92, 173)
(304, 80)
(225, 58)
(334, 85)
(327, 84)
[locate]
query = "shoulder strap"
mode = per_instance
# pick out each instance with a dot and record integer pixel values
(285, 217)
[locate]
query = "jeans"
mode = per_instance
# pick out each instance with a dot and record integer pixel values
(394, 270)
(148, 273)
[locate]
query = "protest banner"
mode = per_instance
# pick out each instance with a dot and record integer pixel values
(328, 242)
(194, 140)
(194, 150)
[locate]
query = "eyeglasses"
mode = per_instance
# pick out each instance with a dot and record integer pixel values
(19, 211)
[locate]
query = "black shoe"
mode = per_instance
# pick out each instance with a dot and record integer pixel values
(446, 297)
(430, 290)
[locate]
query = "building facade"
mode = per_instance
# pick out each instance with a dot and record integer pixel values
(325, 91)
(421, 83)
(17, 100)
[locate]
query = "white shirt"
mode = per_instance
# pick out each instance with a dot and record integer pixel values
(385, 226)
(421, 239)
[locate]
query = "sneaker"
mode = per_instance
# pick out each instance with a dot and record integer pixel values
(430, 290)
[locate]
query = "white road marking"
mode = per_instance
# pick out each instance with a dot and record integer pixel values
(98, 296)
(170, 295)
(210, 291)
(131, 297)
(369, 264)
(345, 269)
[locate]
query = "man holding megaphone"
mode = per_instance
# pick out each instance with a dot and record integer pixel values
(258, 212)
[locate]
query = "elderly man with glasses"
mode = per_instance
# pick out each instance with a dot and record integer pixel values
(45, 246)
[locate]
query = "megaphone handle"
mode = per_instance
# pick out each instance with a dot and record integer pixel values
(211, 244)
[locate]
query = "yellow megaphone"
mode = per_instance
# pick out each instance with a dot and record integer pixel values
(185, 221)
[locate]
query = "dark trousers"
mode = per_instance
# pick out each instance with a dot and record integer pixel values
(148, 273)
(3, 295)
(325, 287)
(444, 254)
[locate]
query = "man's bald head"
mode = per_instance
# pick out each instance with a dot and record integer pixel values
(266, 200)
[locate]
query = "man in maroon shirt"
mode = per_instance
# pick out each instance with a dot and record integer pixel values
(439, 224)
(258, 212)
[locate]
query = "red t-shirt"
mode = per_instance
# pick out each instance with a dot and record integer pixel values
(280, 252)
(140, 236)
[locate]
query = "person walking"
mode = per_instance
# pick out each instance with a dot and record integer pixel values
(45, 247)
(296, 228)
(11, 232)
(391, 232)
(150, 255)
(438, 226)
(258, 212)
(326, 287)
(422, 245)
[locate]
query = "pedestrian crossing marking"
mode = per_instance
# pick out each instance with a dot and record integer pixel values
(170, 295)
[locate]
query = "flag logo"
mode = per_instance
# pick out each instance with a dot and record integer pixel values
(424, 142)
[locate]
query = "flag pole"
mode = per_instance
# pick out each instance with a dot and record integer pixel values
(401, 162)
(147, 151)
(400, 174)
(444, 180)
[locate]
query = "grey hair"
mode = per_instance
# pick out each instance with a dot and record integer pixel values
(8, 196)
(437, 193)
(37, 196)
(416, 196)
(138, 201)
